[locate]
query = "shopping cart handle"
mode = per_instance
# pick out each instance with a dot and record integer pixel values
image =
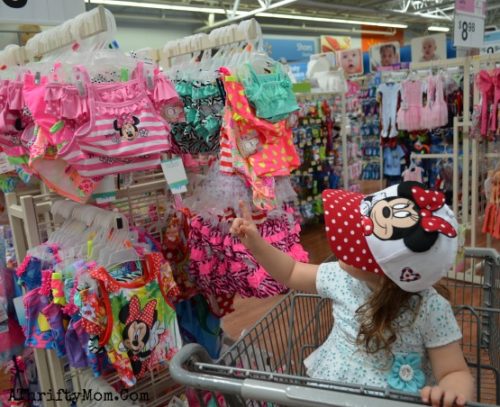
(483, 252)
(192, 353)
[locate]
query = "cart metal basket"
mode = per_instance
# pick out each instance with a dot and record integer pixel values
(265, 366)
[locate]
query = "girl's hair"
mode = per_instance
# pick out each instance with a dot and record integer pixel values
(377, 331)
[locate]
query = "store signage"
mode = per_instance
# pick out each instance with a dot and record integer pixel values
(491, 43)
(293, 50)
(43, 12)
(469, 23)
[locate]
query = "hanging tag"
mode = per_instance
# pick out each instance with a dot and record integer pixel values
(5, 165)
(106, 190)
(124, 75)
(175, 174)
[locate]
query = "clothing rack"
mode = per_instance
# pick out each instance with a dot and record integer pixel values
(458, 123)
(247, 31)
(478, 63)
(32, 219)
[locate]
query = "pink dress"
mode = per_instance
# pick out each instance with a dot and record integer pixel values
(410, 112)
(439, 109)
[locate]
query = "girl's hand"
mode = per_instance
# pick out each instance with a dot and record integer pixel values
(437, 397)
(244, 228)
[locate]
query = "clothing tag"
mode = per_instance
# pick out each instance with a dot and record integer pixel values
(5, 165)
(124, 75)
(175, 174)
(106, 190)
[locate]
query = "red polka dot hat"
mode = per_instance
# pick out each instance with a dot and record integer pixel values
(404, 231)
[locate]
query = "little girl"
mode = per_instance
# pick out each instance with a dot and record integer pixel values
(392, 328)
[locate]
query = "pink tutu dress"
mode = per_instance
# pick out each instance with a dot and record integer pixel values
(410, 112)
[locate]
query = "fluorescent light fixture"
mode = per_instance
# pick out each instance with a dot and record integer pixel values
(209, 10)
(438, 29)
(159, 6)
(329, 20)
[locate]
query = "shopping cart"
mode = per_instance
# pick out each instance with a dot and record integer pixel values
(265, 366)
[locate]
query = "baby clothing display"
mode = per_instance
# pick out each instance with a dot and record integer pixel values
(488, 83)
(409, 116)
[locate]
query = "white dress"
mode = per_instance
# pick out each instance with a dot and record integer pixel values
(340, 360)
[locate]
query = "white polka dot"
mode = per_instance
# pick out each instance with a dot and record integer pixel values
(340, 230)
(363, 251)
(344, 208)
(358, 241)
(356, 210)
(333, 238)
(367, 227)
(346, 223)
(376, 270)
(344, 258)
(351, 216)
(327, 213)
(331, 206)
(351, 249)
(339, 248)
(443, 226)
(346, 240)
(358, 225)
(352, 232)
(336, 201)
(348, 203)
(434, 199)
(339, 214)
(413, 190)
(334, 221)
(431, 223)
(370, 261)
(363, 268)
(422, 199)
(327, 228)
(358, 259)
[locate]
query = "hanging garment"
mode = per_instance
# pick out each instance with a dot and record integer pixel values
(141, 329)
(439, 109)
(410, 111)
(390, 94)
(487, 89)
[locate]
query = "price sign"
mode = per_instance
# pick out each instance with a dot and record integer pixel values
(469, 23)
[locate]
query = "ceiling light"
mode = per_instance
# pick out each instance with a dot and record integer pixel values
(329, 20)
(159, 6)
(438, 29)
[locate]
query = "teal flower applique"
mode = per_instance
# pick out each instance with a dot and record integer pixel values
(406, 373)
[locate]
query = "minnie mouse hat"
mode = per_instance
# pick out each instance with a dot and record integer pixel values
(404, 231)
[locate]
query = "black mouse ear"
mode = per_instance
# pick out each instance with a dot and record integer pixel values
(419, 240)
(123, 315)
(404, 188)
(115, 125)
(136, 120)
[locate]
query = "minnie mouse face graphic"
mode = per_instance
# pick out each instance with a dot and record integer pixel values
(137, 331)
(408, 216)
(127, 127)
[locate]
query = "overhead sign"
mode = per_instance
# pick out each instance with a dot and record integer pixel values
(491, 43)
(43, 12)
(469, 23)
(293, 50)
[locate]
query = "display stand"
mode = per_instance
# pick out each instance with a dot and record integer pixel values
(31, 220)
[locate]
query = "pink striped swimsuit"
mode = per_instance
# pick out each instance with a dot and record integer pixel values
(125, 132)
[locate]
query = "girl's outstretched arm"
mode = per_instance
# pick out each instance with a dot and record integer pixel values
(295, 275)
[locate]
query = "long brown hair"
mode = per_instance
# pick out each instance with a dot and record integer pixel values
(377, 331)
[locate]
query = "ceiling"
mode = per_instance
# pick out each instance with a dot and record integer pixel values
(291, 16)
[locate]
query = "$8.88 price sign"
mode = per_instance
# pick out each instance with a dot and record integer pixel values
(469, 31)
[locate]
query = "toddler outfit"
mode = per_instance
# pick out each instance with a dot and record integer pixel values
(410, 113)
(339, 358)
(390, 97)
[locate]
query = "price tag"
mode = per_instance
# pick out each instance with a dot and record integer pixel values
(175, 174)
(469, 23)
(5, 165)
(106, 190)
